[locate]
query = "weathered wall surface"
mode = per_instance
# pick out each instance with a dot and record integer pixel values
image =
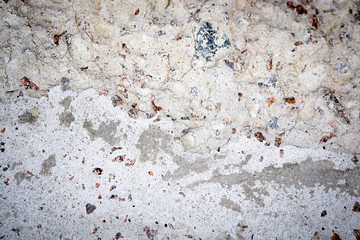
(179, 119)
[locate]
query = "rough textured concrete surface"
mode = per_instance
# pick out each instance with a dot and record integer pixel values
(187, 119)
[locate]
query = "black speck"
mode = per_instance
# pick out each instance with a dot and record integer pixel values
(98, 171)
(118, 235)
(90, 208)
(323, 213)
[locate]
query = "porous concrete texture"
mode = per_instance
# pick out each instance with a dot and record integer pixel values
(166, 119)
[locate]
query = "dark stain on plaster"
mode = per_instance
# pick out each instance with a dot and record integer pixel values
(27, 117)
(153, 140)
(66, 118)
(185, 167)
(105, 131)
(21, 176)
(225, 202)
(66, 102)
(64, 84)
(49, 163)
(308, 174)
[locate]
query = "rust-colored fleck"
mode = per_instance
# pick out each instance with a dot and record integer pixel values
(270, 101)
(57, 37)
(133, 113)
(150, 233)
(270, 64)
(233, 131)
(137, 11)
(290, 100)
(178, 36)
(97, 185)
(45, 94)
(156, 108)
(195, 117)
(290, 5)
(94, 231)
(104, 92)
(277, 142)
(239, 96)
(188, 236)
(300, 9)
(113, 149)
(356, 207)
(356, 233)
(355, 159)
(125, 49)
(151, 173)
(314, 21)
(335, 236)
(3, 130)
(28, 84)
(119, 235)
(119, 158)
(298, 43)
(157, 119)
(116, 100)
(259, 136)
(130, 162)
(327, 138)
(98, 171)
